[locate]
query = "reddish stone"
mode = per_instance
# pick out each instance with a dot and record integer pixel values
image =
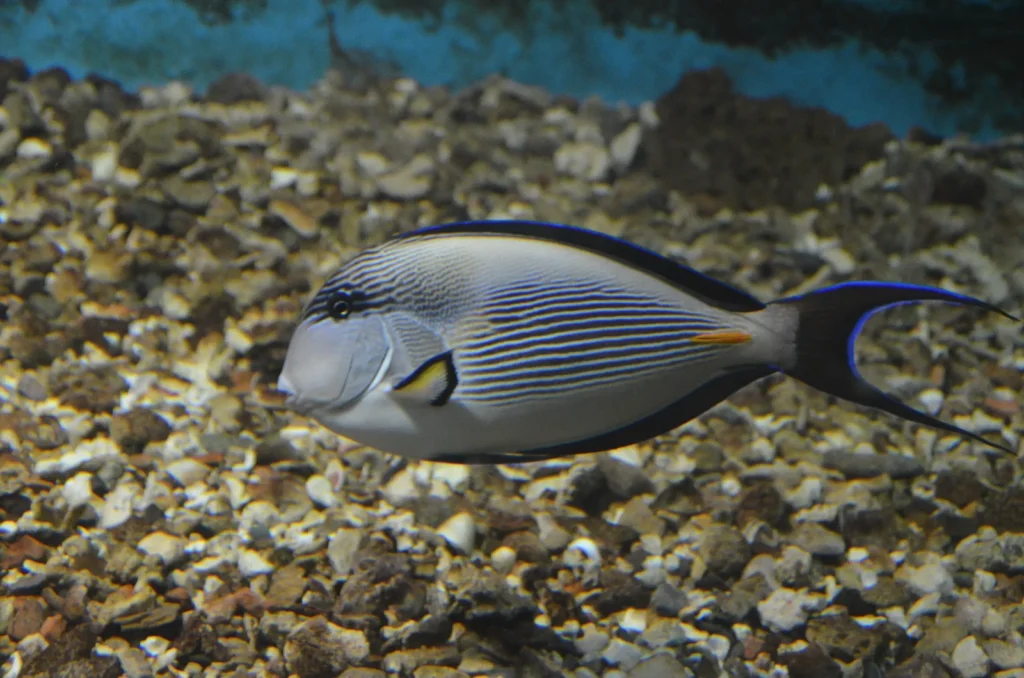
(25, 548)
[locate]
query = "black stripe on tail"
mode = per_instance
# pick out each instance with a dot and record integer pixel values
(830, 320)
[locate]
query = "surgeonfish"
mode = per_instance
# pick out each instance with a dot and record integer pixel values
(513, 341)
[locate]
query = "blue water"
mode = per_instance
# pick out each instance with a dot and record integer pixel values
(153, 41)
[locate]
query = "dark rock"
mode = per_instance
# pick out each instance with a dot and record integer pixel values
(959, 186)
(747, 153)
(817, 540)
(589, 491)
(1005, 511)
(959, 486)
(96, 389)
(527, 546)
(193, 196)
(233, 88)
(763, 502)
(138, 427)
(624, 480)
(111, 98)
(708, 458)
(142, 212)
(887, 592)
(921, 665)
(724, 550)
(811, 663)
(860, 465)
(619, 591)
(46, 434)
(380, 580)
(11, 70)
(50, 84)
(23, 115)
(743, 596)
(667, 600)
(842, 637)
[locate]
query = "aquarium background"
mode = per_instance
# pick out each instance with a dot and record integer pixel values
(948, 67)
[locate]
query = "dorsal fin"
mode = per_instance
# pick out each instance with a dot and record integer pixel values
(688, 280)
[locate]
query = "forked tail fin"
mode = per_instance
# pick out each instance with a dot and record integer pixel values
(830, 320)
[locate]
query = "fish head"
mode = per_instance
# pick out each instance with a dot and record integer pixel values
(336, 355)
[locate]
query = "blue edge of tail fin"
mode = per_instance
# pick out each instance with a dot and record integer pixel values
(830, 320)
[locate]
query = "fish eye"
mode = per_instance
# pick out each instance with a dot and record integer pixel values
(339, 305)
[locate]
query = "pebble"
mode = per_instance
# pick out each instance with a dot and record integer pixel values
(622, 653)
(186, 471)
(926, 579)
(503, 559)
(624, 147)
(583, 160)
(660, 665)
(460, 532)
(970, 659)
(869, 465)
(295, 216)
(168, 548)
(320, 490)
(34, 149)
(1003, 654)
(817, 540)
(410, 182)
(786, 609)
(252, 564)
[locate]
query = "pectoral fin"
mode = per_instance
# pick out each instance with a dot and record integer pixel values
(432, 383)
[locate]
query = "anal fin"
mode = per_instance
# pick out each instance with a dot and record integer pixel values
(432, 383)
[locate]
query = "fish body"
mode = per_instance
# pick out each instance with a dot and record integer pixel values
(490, 342)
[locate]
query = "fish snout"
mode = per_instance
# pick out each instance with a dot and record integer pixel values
(285, 386)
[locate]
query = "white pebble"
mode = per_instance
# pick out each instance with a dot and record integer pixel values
(583, 160)
(932, 400)
(970, 659)
(252, 564)
(455, 476)
(167, 547)
(320, 491)
(34, 149)
(503, 559)
(117, 505)
(634, 620)
(78, 490)
(283, 177)
(104, 163)
(460, 532)
(187, 471)
(648, 114)
(155, 646)
(625, 145)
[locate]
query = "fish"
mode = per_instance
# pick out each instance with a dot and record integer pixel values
(495, 342)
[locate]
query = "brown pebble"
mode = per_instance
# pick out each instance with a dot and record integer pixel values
(1002, 407)
(54, 627)
(25, 548)
(28, 618)
(74, 602)
(177, 595)
(136, 428)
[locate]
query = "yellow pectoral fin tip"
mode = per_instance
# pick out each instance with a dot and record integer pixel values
(722, 337)
(430, 381)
